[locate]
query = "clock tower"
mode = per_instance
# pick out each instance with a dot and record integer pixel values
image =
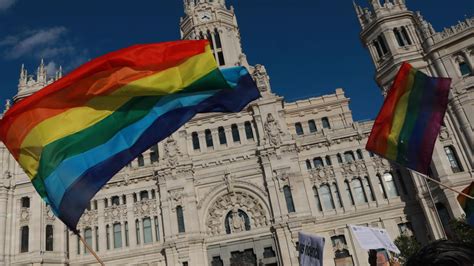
(212, 20)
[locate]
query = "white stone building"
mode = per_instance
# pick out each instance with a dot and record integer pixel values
(235, 189)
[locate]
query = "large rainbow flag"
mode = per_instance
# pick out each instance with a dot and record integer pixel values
(408, 124)
(467, 204)
(72, 136)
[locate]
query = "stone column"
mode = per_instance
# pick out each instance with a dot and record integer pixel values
(132, 238)
(101, 223)
(3, 218)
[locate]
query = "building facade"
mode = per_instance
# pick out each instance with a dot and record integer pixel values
(235, 189)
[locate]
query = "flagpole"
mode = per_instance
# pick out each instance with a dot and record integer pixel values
(434, 206)
(448, 187)
(89, 248)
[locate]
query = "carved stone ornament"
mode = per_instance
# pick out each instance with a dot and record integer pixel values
(233, 202)
(355, 168)
(90, 218)
(322, 175)
(381, 165)
(229, 180)
(176, 198)
(171, 151)
(24, 215)
(115, 213)
(145, 208)
(444, 134)
(261, 78)
(49, 215)
(273, 131)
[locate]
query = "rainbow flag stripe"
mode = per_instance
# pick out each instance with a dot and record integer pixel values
(72, 136)
(467, 204)
(408, 124)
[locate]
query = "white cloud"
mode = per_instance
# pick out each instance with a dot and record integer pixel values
(24, 45)
(6, 4)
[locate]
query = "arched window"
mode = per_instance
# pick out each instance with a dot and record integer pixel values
(195, 138)
(405, 35)
(235, 133)
(209, 38)
(217, 37)
(117, 235)
(25, 202)
(236, 221)
(154, 154)
(359, 155)
(248, 130)
(337, 198)
(222, 137)
(141, 161)
(147, 232)
(453, 159)
(143, 195)
(137, 230)
(25, 235)
(308, 164)
(88, 238)
(312, 126)
(464, 68)
(289, 199)
(208, 135)
(328, 160)
(115, 201)
(399, 38)
(349, 192)
(339, 245)
(107, 236)
(318, 200)
(381, 187)
(339, 158)
(326, 197)
(299, 129)
(318, 162)
(126, 234)
(392, 190)
(96, 238)
(49, 238)
(349, 156)
(383, 44)
(220, 56)
(359, 195)
(180, 218)
(157, 228)
(377, 48)
(368, 188)
(325, 122)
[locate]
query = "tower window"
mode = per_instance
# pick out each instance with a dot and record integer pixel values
(248, 130)
(406, 36)
(195, 138)
(222, 137)
(25, 202)
(299, 129)
(220, 57)
(289, 199)
(208, 135)
(217, 38)
(325, 122)
(154, 154)
(141, 161)
(235, 133)
(180, 218)
(464, 69)
(399, 38)
(380, 46)
(453, 159)
(312, 126)
(308, 164)
(49, 237)
(209, 38)
(25, 235)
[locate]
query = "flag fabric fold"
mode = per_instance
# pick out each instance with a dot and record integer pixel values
(72, 136)
(408, 124)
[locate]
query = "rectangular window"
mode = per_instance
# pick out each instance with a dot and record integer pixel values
(117, 235)
(248, 130)
(49, 237)
(154, 154)
(312, 126)
(464, 68)
(235, 133)
(180, 217)
(289, 199)
(147, 234)
(96, 238)
(88, 239)
(195, 139)
(25, 235)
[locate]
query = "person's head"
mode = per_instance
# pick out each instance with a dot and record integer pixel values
(443, 252)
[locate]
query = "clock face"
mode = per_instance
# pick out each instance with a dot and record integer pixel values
(204, 16)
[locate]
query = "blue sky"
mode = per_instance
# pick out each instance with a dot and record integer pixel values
(309, 47)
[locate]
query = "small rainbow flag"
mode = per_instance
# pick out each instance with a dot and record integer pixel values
(72, 136)
(408, 124)
(467, 204)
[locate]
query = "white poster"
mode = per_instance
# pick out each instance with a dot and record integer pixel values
(311, 248)
(373, 238)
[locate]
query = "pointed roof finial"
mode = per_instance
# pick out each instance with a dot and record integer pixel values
(60, 72)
